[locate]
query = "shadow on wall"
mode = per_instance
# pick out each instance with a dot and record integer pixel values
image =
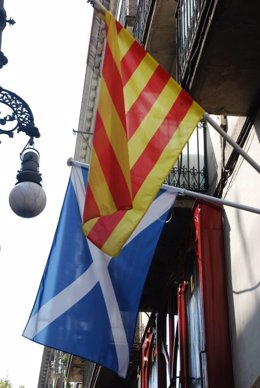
(244, 339)
(212, 165)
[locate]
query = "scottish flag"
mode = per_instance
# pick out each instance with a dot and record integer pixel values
(87, 302)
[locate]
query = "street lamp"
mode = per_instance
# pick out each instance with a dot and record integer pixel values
(3, 22)
(27, 199)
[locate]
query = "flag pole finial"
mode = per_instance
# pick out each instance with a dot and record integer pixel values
(98, 6)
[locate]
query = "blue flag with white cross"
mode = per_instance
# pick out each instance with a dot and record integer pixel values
(87, 302)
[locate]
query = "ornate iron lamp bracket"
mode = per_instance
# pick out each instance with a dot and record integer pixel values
(20, 119)
(3, 21)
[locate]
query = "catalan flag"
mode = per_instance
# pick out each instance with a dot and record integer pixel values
(144, 119)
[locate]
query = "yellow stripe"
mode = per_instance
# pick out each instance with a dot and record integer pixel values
(154, 180)
(87, 226)
(121, 233)
(171, 153)
(125, 41)
(138, 80)
(112, 41)
(115, 130)
(184, 131)
(99, 187)
(152, 121)
(128, 223)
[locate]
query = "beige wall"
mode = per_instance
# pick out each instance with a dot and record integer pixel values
(242, 233)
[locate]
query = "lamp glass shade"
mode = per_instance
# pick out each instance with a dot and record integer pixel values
(27, 199)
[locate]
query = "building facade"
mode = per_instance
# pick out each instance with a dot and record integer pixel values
(201, 300)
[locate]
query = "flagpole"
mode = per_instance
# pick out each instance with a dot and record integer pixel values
(231, 141)
(98, 6)
(183, 192)
(209, 198)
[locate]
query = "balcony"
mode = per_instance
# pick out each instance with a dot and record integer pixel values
(218, 56)
(154, 28)
(191, 172)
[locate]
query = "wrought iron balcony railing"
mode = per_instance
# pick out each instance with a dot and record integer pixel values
(190, 171)
(190, 14)
(142, 19)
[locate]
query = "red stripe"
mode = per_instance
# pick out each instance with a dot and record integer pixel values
(132, 60)
(112, 171)
(146, 100)
(160, 139)
(118, 26)
(113, 81)
(104, 227)
(91, 209)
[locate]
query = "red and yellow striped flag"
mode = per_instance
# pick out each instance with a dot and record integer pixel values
(144, 119)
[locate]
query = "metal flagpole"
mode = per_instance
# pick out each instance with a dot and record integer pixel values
(209, 198)
(99, 7)
(231, 141)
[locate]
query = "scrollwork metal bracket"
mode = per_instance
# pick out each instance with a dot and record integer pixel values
(21, 115)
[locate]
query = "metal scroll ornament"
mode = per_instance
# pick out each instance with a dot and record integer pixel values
(16, 115)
